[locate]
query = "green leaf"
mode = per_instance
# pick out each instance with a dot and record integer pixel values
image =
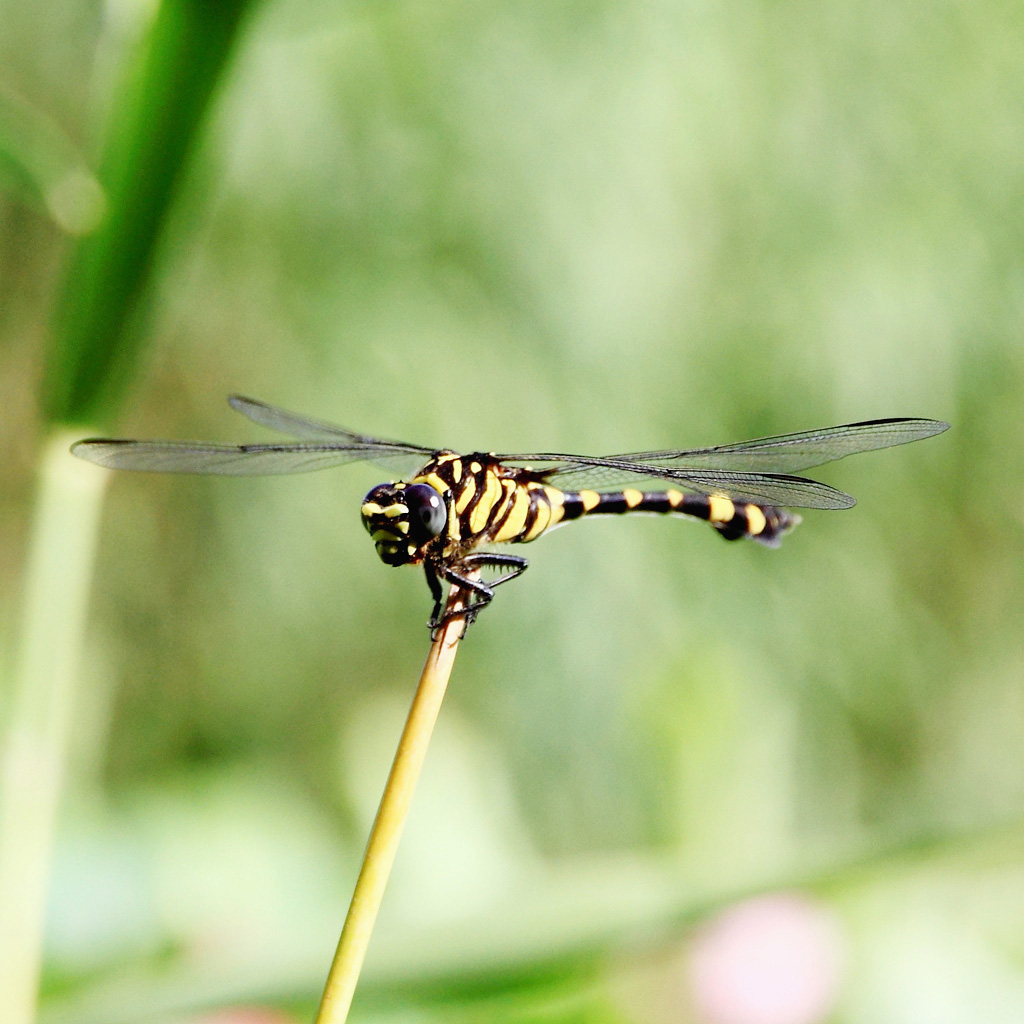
(153, 131)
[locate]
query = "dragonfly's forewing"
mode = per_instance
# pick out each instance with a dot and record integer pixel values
(235, 460)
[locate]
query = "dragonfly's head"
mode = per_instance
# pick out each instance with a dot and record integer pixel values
(402, 518)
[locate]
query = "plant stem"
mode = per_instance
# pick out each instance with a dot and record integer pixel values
(39, 728)
(387, 827)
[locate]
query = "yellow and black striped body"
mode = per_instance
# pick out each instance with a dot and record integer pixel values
(492, 503)
(732, 519)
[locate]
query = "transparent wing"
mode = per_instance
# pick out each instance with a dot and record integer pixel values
(236, 460)
(327, 446)
(285, 422)
(764, 488)
(760, 488)
(756, 471)
(789, 453)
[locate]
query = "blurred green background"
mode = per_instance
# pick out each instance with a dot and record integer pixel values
(554, 225)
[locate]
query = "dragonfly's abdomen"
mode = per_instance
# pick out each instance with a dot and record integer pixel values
(732, 519)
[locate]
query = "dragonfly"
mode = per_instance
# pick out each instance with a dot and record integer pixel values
(445, 511)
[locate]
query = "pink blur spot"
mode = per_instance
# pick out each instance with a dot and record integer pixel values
(243, 1015)
(775, 959)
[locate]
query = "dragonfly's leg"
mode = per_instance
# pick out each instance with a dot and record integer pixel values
(435, 591)
(435, 569)
(481, 593)
(516, 565)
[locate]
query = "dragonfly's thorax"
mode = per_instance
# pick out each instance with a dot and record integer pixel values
(403, 519)
(489, 502)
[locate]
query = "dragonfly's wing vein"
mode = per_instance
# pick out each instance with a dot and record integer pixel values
(238, 460)
(324, 445)
(758, 470)
(790, 453)
(760, 488)
(309, 429)
(766, 489)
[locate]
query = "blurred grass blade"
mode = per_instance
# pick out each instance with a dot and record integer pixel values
(62, 543)
(40, 165)
(153, 130)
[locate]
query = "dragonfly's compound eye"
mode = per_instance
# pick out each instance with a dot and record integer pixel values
(427, 513)
(401, 518)
(386, 518)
